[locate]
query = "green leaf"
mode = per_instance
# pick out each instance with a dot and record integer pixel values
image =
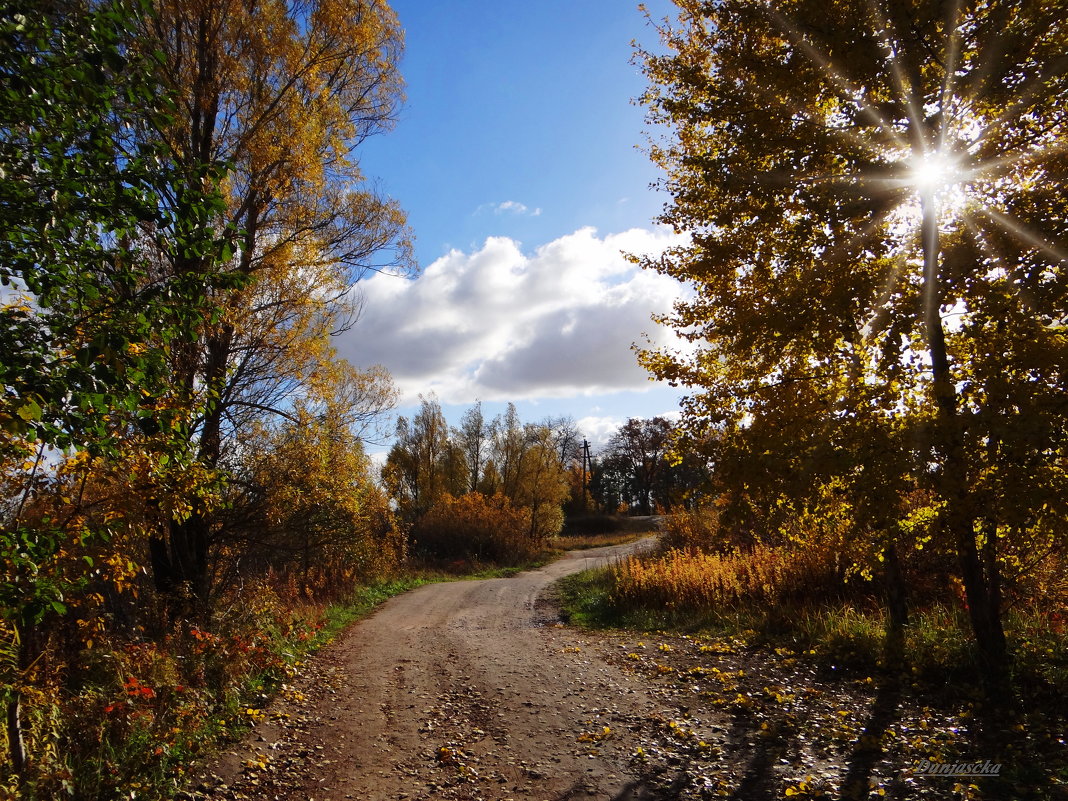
(30, 410)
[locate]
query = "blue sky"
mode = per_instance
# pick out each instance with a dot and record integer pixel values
(517, 159)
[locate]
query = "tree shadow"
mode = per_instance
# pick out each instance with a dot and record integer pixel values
(760, 782)
(654, 788)
(884, 711)
(647, 789)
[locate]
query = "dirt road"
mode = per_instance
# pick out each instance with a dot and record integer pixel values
(463, 690)
(472, 690)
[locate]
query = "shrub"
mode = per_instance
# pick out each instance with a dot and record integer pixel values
(696, 530)
(592, 524)
(476, 526)
(711, 528)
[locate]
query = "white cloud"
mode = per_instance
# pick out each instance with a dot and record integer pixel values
(598, 430)
(509, 207)
(500, 324)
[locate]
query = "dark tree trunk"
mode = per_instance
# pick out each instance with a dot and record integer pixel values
(896, 589)
(180, 560)
(981, 586)
(16, 747)
(16, 743)
(180, 567)
(29, 649)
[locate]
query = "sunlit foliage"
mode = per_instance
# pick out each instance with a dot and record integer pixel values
(477, 527)
(874, 193)
(284, 94)
(431, 469)
(184, 222)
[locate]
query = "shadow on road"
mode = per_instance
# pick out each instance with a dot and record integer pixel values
(884, 711)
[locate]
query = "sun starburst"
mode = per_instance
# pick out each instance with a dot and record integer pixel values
(934, 173)
(943, 159)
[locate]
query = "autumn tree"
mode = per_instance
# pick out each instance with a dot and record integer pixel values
(430, 469)
(283, 93)
(566, 437)
(476, 526)
(609, 484)
(317, 513)
(639, 469)
(528, 462)
(874, 194)
(541, 484)
(473, 438)
(79, 312)
(683, 481)
(509, 446)
(424, 462)
(83, 322)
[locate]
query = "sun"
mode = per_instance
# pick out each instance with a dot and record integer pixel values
(934, 173)
(938, 180)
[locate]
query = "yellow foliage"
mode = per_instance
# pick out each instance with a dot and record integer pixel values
(324, 520)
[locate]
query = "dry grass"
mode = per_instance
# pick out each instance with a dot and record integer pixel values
(696, 580)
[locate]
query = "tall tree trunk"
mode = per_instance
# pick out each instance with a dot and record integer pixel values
(180, 561)
(981, 587)
(180, 566)
(29, 647)
(16, 744)
(896, 589)
(15, 739)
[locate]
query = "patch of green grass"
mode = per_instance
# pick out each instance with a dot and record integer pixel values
(492, 571)
(360, 604)
(463, 570)
(584, 600)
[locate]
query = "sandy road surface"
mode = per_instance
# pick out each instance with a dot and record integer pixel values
(463, 690)
(472, 690)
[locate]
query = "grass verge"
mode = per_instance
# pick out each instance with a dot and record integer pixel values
(134, 713)
(584, 542)
(364, 600)
(937, 643)
(827, 665)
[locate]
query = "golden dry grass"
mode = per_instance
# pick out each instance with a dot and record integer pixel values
(697, 580)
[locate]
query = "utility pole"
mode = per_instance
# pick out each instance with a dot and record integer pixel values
(585, 460)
